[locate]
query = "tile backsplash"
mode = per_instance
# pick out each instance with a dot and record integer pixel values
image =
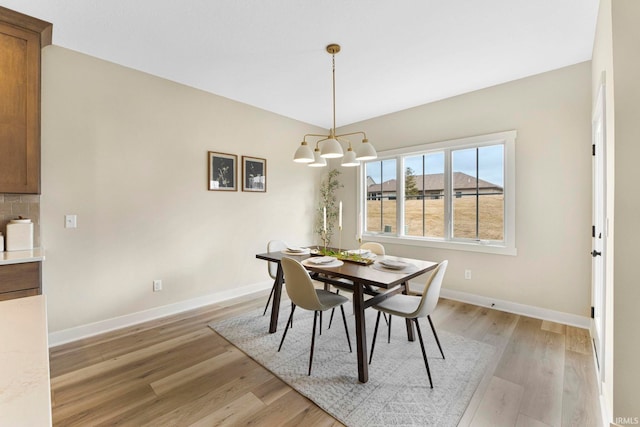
(25, 205)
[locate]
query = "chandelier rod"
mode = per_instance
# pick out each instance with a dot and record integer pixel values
(333, 61)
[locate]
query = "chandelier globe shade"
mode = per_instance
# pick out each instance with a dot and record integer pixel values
(349, 159)
(366, 151)
(318, 160)
(331, 149)
(303, 154)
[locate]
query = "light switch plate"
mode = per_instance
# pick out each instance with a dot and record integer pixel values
(70, 221)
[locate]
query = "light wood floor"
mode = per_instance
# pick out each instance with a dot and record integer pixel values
(176, 371)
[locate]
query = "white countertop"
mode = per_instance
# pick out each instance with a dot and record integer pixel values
(25, 391)
(17, 257)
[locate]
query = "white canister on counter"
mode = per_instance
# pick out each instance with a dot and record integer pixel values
(19, 235)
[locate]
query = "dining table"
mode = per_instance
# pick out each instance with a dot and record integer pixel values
(371, 283)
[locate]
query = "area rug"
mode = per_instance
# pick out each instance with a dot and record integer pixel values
(397, 393)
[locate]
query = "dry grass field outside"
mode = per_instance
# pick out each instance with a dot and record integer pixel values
(491, 213)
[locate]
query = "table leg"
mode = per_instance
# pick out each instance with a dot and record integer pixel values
(361, 333)
(409, 322)
(277, 294)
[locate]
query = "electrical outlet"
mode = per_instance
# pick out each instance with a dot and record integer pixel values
(157, 285)
(467, 274)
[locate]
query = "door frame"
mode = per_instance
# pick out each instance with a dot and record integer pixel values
(600, 233)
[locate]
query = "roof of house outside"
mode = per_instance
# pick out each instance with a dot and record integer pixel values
(433, 182)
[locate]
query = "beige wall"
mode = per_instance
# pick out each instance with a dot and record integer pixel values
(616, 52)
(551, 113)
(127, 153)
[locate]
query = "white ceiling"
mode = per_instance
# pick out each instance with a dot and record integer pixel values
(271, 53)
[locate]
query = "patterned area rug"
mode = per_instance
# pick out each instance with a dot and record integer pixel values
(397, 393)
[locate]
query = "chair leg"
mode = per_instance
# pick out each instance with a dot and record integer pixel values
(268, 300)
(289, 322)
(333, 311)
(388, 329)
(424, 353)
(344, 320)
(320, 323)
(375, 334)
(313, 340)
(435, 335)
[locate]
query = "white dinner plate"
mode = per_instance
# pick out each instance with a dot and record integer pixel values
(362, 252)
(296, 249)
(393, 264)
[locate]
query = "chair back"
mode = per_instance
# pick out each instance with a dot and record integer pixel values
(274, 246)
(299, 285)
(431, 291)
(374, 247)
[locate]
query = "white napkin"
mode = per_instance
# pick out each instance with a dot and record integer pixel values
(396, 265)
(322, 260)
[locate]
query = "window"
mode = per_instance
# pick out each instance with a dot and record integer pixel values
(453, 194)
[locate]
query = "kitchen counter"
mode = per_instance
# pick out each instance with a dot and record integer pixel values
(17, 257)
(25, 390)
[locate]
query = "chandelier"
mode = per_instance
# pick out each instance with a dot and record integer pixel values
(328, 146)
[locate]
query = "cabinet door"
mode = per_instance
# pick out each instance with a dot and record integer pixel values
(19, 280)
(19, 110)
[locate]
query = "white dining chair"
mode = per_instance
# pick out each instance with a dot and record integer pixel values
(414, 307)
(303, 294)
(272, 267)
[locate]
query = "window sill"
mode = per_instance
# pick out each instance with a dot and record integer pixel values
(440, 244)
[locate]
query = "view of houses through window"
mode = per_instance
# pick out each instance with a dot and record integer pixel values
(461, 187)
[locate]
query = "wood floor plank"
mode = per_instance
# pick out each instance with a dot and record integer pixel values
(578, 340)
(179, 378)
(500, 405)
(197, 399)
(271, 390)
(233, 413)
(580, 396)
(558, 328)
(544, 379)
(133, 357)
(525, 421)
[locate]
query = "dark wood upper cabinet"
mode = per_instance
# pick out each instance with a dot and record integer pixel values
(21, 40)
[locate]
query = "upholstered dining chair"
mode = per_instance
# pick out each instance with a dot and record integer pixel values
(374, 247)
(272, 267)
(303, 294)
(414, 307)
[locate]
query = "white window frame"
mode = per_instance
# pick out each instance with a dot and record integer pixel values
(506, 247)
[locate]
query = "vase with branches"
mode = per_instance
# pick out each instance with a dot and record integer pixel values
(327, 201)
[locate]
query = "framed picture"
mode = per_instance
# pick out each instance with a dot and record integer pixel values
(222, 171)
(254, 174)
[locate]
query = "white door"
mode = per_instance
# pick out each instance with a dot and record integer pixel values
(599, 231)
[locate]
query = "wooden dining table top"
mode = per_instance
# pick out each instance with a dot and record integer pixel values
(364, 274)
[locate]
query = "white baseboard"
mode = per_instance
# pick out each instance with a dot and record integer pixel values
(83, 331)
(516, 308)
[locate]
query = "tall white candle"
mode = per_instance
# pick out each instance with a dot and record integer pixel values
(340, 216)
(324, 219)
